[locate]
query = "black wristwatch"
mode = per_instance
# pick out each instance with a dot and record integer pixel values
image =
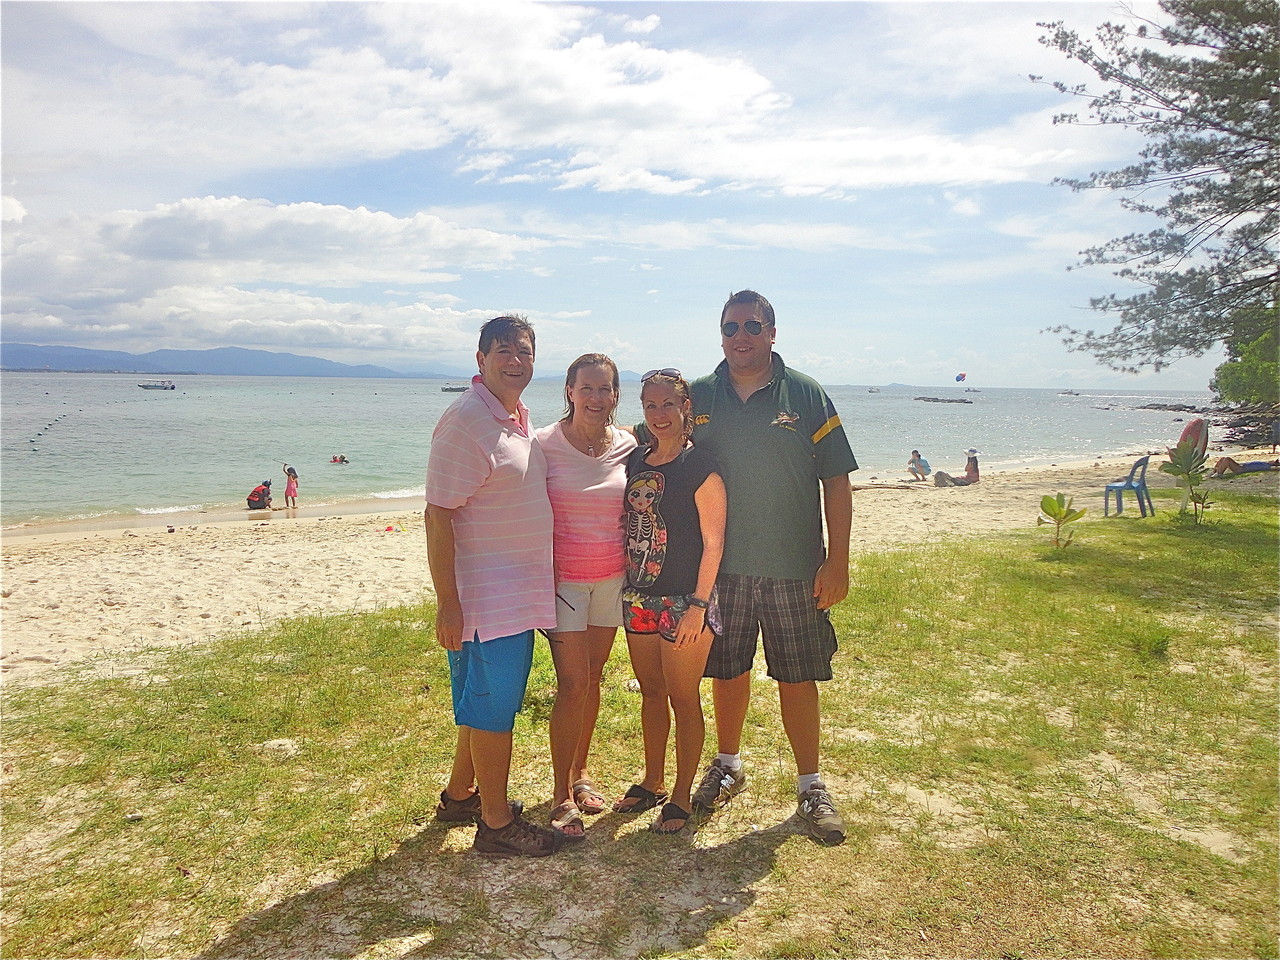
(699, 602)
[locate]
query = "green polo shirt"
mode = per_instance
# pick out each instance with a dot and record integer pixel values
(772, 452)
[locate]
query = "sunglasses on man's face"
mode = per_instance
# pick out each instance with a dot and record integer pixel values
(730, 328)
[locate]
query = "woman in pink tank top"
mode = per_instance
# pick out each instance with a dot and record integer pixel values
(586, 474)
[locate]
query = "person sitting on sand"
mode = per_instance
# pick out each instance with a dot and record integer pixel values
(918, 466)
(944, 479)
(260, 496)
(1227, 467)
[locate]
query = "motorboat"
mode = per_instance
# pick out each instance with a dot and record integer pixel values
(158, 385)
(453, 388)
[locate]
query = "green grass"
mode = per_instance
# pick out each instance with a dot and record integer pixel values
(1038, 753)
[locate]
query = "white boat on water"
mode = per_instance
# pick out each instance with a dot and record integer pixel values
(158, 385)
(453, 388)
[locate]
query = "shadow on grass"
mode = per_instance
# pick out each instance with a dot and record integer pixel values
(611, 896)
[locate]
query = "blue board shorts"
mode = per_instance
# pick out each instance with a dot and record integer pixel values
(489, 681)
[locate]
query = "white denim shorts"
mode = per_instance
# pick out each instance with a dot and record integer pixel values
(580, 605)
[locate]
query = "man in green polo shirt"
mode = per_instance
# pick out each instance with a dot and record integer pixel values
(785, 462)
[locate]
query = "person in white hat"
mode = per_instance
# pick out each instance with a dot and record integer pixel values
(944, 479)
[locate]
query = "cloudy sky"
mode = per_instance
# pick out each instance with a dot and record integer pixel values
(369, 182)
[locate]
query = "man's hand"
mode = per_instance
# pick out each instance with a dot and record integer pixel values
(440, 557)
(449, 625)
(831, 585)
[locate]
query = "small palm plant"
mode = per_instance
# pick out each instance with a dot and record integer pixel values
(1187, 462)
(1057, 511)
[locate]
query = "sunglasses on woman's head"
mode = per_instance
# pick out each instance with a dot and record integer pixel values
(730, 328)
(663, 372)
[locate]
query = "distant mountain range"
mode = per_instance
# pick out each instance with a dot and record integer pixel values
(229, 361)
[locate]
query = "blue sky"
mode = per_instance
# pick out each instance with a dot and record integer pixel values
(369, 182)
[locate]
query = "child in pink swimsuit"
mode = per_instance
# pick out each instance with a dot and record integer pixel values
(290, 486)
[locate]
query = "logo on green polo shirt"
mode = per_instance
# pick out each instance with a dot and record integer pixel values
(784, 419)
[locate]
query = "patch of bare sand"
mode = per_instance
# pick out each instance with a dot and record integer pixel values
(67, 599)
(1107, 774)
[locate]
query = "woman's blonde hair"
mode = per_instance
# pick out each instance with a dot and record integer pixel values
(681, 387)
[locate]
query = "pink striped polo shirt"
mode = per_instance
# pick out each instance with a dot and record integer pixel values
(486, 465)
(586, 497)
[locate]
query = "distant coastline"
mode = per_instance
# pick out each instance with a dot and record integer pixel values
(219, 361)
(119, 373)
(389, 375)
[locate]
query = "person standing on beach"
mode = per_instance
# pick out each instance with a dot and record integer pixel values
(785, 460)
(586, 475)
(290, 486)
(489, 548)
(675, 539)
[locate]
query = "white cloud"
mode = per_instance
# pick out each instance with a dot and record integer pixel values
(202, 316)
(647, 25)
(252, 241)
(317, 86)
(12, 210)
(963, 206)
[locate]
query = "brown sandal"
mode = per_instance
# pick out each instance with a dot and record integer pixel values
(565, 816)
(588, 798)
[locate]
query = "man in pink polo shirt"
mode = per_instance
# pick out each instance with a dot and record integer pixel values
(490, 552)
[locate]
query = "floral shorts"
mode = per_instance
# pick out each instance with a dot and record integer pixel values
(661, 615)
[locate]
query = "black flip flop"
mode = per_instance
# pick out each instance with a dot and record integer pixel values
(647, 799)
(670, 811)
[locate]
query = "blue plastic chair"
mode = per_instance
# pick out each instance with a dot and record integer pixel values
(1137, 482)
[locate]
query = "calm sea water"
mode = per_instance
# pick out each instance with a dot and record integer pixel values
(82, 446)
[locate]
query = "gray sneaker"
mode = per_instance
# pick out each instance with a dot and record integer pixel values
(519, 838)
(717, 788)
(820, 816)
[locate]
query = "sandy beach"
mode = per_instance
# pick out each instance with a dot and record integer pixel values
(74, 594)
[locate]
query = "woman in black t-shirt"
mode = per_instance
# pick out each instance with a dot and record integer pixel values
(674, 524)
